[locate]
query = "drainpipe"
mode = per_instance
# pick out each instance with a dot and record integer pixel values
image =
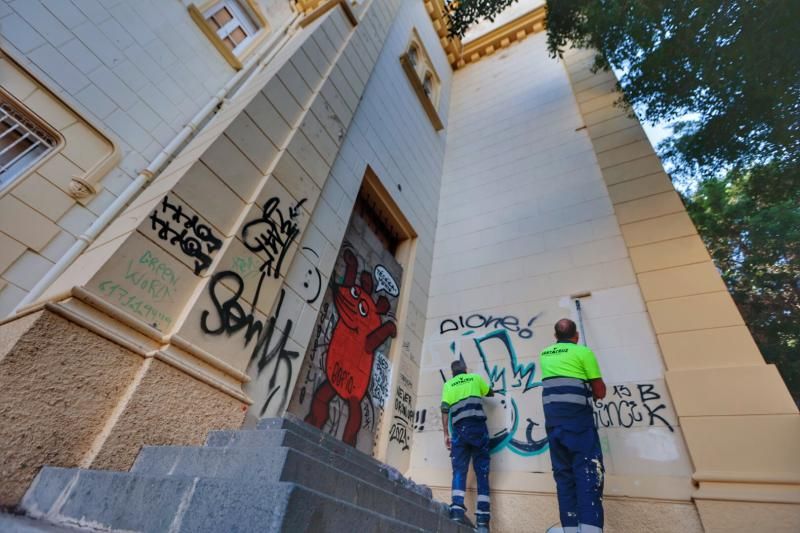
(248, 71)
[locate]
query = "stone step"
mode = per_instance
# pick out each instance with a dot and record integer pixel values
(22, 524)
(289, 465)
(313, 434)
(293, 423)
(371, 471)
(284, 476)
(131, 502)
(328, 442)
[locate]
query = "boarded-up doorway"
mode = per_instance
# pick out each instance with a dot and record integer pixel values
(344, 383)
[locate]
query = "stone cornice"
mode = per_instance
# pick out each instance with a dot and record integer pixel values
(515, 30)
(451, 45)
(459, 54)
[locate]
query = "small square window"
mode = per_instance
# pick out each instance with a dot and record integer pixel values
(23, 142)
(235, 27)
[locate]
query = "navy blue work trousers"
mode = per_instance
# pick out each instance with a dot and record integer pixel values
(578, 471)
(469, 441)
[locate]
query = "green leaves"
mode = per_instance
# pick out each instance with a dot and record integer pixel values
(726, 63)
(465, 13)
(750, 221)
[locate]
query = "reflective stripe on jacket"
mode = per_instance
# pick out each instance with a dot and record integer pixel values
(566, 399)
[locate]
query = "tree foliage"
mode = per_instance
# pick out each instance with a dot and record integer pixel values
(731, 65)
(750, 221)
(465, 13)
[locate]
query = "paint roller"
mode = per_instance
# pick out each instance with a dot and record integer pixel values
(577, 297)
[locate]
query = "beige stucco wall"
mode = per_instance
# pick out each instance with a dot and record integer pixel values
(716, 376)
(137, 71)
(69, 397)
(724, 516)
(35, 207)
(277, 141)
(59, 384)
(525, 220)
(523, 512)
(167, 407)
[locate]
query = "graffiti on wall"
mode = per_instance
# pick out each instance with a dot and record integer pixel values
(361, 328)
(146, 288)
(381, 377)
(403, 420)
(268, 236)
(345, 381)
(633, 405)
(175, 225)
(478, 321)
(497, 348)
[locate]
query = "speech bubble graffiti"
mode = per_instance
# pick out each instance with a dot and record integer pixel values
(385, 281)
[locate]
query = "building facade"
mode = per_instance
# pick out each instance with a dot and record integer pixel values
(214, 212)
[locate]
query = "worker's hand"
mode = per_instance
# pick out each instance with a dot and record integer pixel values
(447, 441)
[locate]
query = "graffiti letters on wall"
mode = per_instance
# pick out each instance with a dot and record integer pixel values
(478, 321)
(146, 277)
(346, 375)
(146, 288)
(401, 428)
(179, 228)
(633, 405)
(490, 345)
(500, 348)
(268, 237)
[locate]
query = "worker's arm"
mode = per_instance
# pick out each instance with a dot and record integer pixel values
(446, 418)
(598, 388)
(486, 390)
(445, 426)
(593, 375)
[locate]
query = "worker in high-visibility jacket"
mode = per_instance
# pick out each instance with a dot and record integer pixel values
(570, 380)
(462, 408)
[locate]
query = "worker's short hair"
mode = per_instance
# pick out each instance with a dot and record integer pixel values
(458, 366)
(565, 329)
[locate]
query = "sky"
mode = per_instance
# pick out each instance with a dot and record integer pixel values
(515, 10)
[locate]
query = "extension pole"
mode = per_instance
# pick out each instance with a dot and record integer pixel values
(577, 297)
(580, 321)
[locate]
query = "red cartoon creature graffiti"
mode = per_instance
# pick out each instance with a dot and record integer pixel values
(359, 331)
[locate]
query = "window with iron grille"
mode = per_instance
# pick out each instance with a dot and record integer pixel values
(23, 142)
(233, 25)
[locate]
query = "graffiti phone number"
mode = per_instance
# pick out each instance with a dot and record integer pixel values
(115, 292)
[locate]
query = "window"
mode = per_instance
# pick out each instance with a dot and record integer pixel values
(233, 26)
(427, 85)
(413, 56)
(422, 76)
(23, 142)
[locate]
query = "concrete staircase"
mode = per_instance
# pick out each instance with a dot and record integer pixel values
(283, 476)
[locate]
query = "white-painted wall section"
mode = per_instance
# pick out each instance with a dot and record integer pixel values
(524, 221)
(138, 70)
(392, 134)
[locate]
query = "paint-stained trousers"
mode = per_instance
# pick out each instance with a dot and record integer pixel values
(470, 441)
(578, 471)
